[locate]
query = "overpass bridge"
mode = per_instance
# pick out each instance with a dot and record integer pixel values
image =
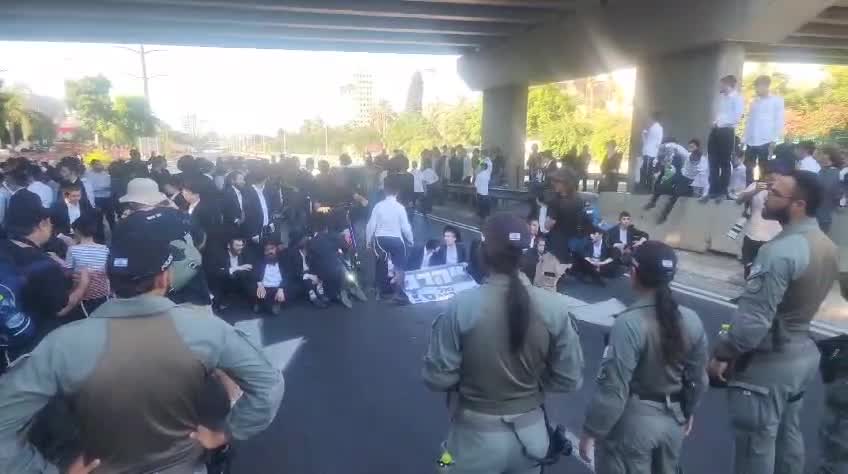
(680, 47)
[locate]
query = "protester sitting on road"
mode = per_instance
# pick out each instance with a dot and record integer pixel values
(230, 273)
(137, 373)
(501, 347)
(532, 256)
(323, 253)
(422, 257)
(832, 186)
(652, 376)
(302, 282)
(270, 280)
(624, 238)
(596, 261)
(452, 250)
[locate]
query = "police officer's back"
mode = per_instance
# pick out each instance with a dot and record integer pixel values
(500, 346)
(137, 372)
(767, 358)
(652, 375)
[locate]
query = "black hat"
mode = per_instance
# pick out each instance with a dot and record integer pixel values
(25, 210)
(140, 248)
(506, 230)
(655, 262)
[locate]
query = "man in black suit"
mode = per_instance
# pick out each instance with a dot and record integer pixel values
(257, 211)
(302, 281)
(67, 210)
(596, 260)
(422, 257)
(452, 249)
(232, 203)
(205, 217)
(270, 280)
(230, 273)
(623, 238)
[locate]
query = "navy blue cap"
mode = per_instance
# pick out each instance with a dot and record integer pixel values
(141, 247)
(506, 230)
(655, 262)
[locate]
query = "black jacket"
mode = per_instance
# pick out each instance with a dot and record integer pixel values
(259, 270)
(59, 216)
(206, 222)
(633, 234)
(588, 250)
(252, 225)
(219, 261)
(440, 257)
(322, 253)
(292, 263)
(231, 210)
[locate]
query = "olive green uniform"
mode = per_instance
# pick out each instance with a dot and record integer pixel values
(773, 357)
(497, 425)
(834, 429)
(635, 431)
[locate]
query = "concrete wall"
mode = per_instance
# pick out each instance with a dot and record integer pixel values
(505, 125)
(683, 87)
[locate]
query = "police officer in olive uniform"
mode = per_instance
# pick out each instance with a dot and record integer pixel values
(500, 347)
(652, 376)
(767, 358)
(834, 428)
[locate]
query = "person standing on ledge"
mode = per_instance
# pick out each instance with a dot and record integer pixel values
(652, 138)
(721, 143)
(763, 128)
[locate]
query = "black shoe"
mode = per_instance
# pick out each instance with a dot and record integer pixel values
(276, 309)
(344, 299)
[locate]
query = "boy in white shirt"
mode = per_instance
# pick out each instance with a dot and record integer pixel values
(386, 231)
(806, 161)
(481, 183)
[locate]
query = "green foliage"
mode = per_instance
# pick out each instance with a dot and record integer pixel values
(459, 124)
(89, 98)
(412, 133)
(547, 105)
(41, 128)
(131, 119)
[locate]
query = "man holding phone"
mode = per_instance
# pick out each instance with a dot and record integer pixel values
(758, 230)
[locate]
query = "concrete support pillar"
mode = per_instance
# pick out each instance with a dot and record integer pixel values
(505, 126)
(683, 87)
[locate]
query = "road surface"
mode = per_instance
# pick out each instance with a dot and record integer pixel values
(355, 402)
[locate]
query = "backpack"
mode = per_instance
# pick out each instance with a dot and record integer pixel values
(17, 329)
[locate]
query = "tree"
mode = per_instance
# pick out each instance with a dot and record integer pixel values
(382, 117)
(547, 104)
(415, 95)
(458, 124)
(89, 98)
(131, 119)
(41, 128)
(412, 133)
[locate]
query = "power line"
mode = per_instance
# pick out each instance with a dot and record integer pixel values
(142, 54)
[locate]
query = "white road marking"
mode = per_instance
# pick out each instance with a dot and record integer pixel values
(279, 353)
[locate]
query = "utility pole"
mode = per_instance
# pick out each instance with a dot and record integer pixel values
(326, 141)
(142, 54)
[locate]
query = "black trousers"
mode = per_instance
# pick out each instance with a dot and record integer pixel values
(386, 248)
(484, 206)
(755, 156)
(720, 147)
(107, 207)
(646, 173)
(239, 286)
(678, 187)
(583, 267)
(300, 289)
(750, 249)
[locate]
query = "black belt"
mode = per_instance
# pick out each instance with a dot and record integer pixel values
(661, 398)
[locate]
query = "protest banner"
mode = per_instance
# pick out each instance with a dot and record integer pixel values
(437, 283)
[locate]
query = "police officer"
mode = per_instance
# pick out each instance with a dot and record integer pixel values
(652, 377)
(137, 373)
(767, 358)
(834, 429)
(500, 347)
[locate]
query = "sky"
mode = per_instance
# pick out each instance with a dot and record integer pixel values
(235, 91)
(232, 90)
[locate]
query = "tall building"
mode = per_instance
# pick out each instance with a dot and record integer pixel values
(191, 125)
(360, 93)
(415, 94)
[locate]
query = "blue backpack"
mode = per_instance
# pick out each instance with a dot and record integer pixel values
(17, 329)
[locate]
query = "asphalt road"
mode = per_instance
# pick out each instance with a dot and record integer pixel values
(355, 402)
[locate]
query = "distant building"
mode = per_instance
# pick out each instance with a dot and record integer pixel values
(415, 94)
(360, 95)
(191, 125)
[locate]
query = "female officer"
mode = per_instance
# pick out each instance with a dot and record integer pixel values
(499, 346)
(652, 376)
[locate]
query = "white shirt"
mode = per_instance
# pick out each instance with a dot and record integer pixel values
(89, 191)
(622, 235)
(808, 163)
(239, 199)
(543, 219)
(596, 249)
(101, 183)
(481, 182)
(765, 121)
(757, 228)
(417, 184)
(388, 219)
(272, 277)
(652, 139)
(429, 177)
(44, 192)
(729, 109)
(263, 205)
(305, 266)
(73, 212)
(233, 263)
(450, 254)
(191, 207)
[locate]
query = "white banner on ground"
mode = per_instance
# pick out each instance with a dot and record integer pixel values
(437, 283)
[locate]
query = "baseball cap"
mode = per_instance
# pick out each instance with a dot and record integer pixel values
(143, 191)
(140, 247)
(25, 210)
(655, 262)
(506, 230)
